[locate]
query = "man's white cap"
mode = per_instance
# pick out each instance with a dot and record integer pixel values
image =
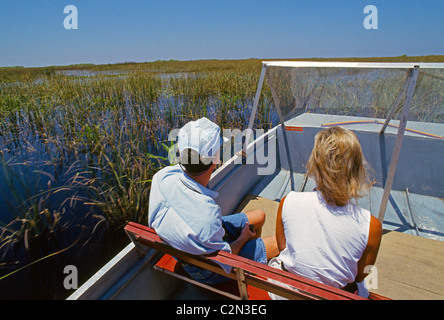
(201, 135)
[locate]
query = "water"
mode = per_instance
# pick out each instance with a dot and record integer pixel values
(89, 73)
(37, 174)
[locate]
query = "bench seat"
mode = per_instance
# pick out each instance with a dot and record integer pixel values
(245, 272)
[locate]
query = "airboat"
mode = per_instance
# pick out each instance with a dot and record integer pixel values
(397, 112)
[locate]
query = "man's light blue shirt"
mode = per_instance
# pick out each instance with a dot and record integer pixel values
(184, 214)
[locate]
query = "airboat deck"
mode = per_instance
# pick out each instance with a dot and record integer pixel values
(408, 266)
(410, 262)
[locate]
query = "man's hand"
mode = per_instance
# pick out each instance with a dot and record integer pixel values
(247, 233)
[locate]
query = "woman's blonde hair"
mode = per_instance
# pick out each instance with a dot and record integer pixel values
(338, 166)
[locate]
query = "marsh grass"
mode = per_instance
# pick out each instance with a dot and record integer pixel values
(77, 150)
(95, 142)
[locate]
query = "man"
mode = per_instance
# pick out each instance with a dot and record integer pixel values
(184, 214)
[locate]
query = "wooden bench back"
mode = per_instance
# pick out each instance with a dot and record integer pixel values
(245, 271)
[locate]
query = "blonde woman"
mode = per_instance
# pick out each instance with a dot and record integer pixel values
(324, 235)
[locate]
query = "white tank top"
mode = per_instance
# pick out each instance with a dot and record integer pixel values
(324, 242)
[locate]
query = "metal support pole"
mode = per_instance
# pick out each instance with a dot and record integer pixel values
(284, 133)
(409, 207)
(254, 109)
(397, 101)
(400, 136)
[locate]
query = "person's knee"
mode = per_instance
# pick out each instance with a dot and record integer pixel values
(258, 217)
(262, 216)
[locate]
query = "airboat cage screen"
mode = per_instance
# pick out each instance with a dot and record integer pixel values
(378, 95)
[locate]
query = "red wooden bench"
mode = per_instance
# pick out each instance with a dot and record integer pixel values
(251, 277)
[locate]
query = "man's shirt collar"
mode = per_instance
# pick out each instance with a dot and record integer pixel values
(197, 187)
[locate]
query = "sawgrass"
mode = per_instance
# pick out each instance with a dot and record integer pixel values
(107, 133)
(99, 137)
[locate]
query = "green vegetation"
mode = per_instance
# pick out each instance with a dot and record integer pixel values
(89, 143)
(95, 138)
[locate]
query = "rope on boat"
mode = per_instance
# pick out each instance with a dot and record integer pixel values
(330, 124)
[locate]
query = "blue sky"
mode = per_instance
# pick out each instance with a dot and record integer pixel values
(32, 32)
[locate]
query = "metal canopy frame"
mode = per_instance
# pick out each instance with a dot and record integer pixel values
(406, 95)
(412, 79)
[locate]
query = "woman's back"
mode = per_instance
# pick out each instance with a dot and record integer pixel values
(323, 242)
(322, 235)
